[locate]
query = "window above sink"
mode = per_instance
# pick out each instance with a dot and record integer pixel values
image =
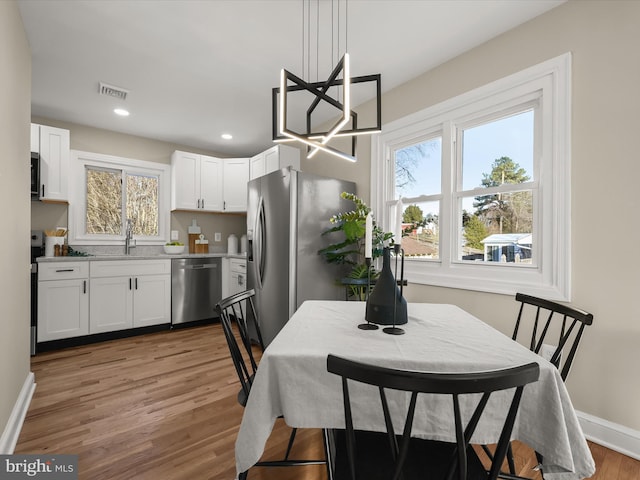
(106, 191)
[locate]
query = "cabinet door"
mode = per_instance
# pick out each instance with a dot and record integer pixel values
(185, 181)
(151, 300)
(35, 138)
(63, 309)
(211, 194)
(111, 304)
(54, 163)
(256, 166)
(272, 159)
(236, 176)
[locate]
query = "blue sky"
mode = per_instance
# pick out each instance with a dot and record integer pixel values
(508, 137)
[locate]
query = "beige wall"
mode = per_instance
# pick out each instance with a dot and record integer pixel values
(48, 216)
(603, 37)
(15, 98)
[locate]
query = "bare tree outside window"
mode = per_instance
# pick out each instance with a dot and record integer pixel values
(142, 204)
(104, 202)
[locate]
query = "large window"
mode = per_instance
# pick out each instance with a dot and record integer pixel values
(109, 191)
(483, 180)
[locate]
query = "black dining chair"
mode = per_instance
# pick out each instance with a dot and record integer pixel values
(239, 309)
(388, 456)
(553, 331)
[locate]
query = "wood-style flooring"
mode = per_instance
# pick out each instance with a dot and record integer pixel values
(163, 406)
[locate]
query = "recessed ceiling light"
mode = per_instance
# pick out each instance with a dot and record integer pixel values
(121, 111)
(227, 136)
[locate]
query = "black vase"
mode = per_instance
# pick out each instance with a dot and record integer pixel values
(385, 301)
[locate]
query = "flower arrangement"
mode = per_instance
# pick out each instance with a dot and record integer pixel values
(351, 250)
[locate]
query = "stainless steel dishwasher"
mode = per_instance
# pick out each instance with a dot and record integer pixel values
(196, 287)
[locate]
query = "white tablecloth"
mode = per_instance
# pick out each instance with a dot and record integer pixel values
(292, 381)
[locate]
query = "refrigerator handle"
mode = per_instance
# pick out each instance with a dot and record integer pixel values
(255, 248)
(261, 238)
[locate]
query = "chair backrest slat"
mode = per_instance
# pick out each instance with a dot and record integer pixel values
(568, 321)
(451, 384)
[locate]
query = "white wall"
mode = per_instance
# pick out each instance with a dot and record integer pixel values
(15, 99)
(603, 38)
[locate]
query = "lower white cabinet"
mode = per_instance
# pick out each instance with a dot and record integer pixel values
(111, 304)
(237, 275)
(87, 297)
(63, 300)
(129, 294)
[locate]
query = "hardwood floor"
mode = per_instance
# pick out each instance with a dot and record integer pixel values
(163, 406)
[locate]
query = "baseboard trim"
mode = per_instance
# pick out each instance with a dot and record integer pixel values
(12, 430)
(611, 435)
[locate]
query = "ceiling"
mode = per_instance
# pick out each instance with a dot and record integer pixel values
(197, 69)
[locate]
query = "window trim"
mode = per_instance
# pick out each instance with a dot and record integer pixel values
(551, 277)
(78, 200)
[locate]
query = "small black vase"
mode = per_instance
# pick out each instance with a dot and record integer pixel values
(385, 300)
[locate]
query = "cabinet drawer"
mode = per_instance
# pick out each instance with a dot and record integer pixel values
(62, 270)
(118, 268)
(237, 265)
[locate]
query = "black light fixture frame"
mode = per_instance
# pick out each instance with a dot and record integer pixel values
(319, 89)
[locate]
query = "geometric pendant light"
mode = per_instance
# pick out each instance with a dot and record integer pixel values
(319, 140)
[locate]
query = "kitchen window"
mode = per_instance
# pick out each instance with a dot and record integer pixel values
(108, 191)
(484, 184)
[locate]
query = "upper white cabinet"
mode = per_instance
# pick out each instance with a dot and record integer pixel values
(196, 182)
(35, 138)
(208, 184)
(53, 144)
(277, 157)
(236, 177)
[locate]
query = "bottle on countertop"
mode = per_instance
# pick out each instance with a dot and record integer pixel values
(243, 244)
(232, 244)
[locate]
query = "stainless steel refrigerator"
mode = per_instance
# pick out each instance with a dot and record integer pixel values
(286, 214)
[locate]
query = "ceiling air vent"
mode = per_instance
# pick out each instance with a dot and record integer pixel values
(112, 91)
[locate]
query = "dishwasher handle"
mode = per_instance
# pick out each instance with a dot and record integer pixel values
(201, 266)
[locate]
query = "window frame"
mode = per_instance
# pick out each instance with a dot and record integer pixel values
(548, 83)
(78, 199)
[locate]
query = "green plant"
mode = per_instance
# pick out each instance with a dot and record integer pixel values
(350, 251)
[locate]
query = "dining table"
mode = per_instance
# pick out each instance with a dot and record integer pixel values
(292, 381)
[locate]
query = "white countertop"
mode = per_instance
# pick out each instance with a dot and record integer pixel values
(101, 257)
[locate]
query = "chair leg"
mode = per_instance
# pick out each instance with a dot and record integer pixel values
(510, 461)
(539, 466)
(328, 440)
(243, 475)
(487, 452)
(292, 437)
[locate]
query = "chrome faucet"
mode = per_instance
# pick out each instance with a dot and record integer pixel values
(128, 240)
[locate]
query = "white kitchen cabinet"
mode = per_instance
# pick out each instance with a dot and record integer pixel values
(257, 166)
(129, 294)
(53, 144)
(63, 300)
(111, 304)
(237, 275)
(35, 138)
(196, 182)
(275, 158)
(236, 176)
(208, 184)
(152, 301)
